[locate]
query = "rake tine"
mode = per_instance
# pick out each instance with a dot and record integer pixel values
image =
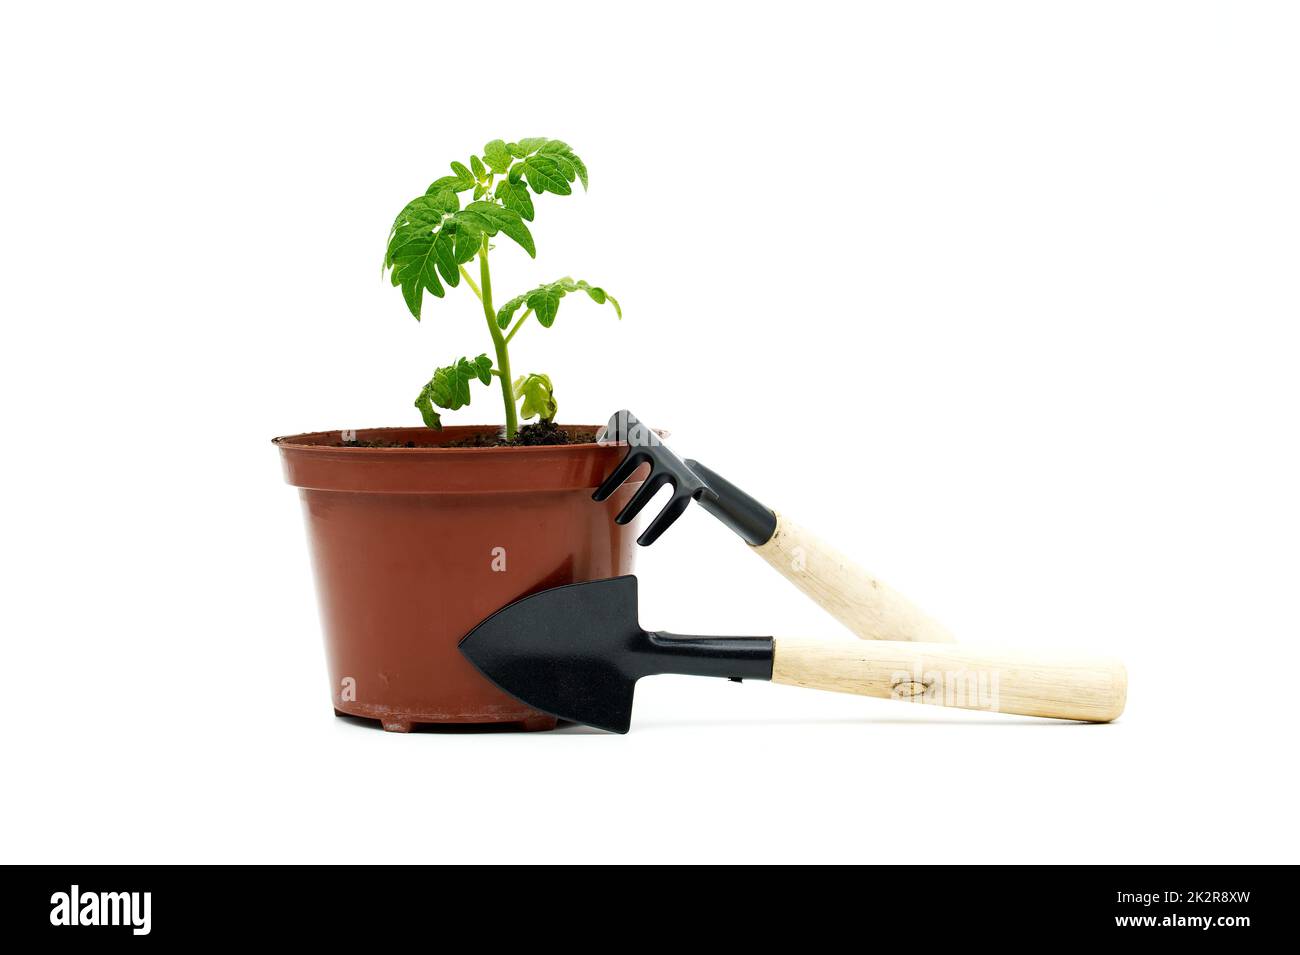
(631, 461)
(642, 497)
(664, 520)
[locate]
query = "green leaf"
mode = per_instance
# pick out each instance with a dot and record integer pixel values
(549, 165)
(449, 184)
(514, 195)
(431, 418)
(424, 212)
(444, 254)
(418, 248)
(538, 395)
(600, 297)
(507, 311)
(469, 239)
(414, 264)
(498, 156)
(554, 151)
(559, 150)
(492, 218)
(432, 237)
(544, 174)
(545, 300)
(449, 387)
(415, 269)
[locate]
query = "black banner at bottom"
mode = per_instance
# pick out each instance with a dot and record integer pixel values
(910, 905)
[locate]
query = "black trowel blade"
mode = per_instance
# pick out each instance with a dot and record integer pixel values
(569, 651)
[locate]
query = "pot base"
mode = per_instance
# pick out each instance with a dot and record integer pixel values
(395, 722)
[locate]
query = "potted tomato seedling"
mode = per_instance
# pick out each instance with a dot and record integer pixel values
(418, 533)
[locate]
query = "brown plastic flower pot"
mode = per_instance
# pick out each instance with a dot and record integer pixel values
(414, 546)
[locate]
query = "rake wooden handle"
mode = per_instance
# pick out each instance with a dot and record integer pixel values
(852, 596)
(1060, 685)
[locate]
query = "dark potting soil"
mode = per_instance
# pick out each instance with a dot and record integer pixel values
(543, 432)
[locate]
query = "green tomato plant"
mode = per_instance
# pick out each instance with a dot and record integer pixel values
(435, 237)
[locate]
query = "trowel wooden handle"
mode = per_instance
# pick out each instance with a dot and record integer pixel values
(1060, 685)
(856, 599)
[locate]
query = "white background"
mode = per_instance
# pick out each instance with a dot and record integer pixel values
(1001, 298)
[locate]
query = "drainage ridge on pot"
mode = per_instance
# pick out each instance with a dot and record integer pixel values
(414, 546)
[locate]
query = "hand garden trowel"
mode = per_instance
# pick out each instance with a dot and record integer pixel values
(859, 601)
(577, 651)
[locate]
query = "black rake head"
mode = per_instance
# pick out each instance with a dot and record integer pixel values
(645, 447)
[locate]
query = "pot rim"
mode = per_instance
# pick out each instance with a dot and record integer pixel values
(298, 443)
(312, 461)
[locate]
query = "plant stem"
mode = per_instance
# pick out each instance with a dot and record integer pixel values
(464, 273)
(498, 340)
(522, 318)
